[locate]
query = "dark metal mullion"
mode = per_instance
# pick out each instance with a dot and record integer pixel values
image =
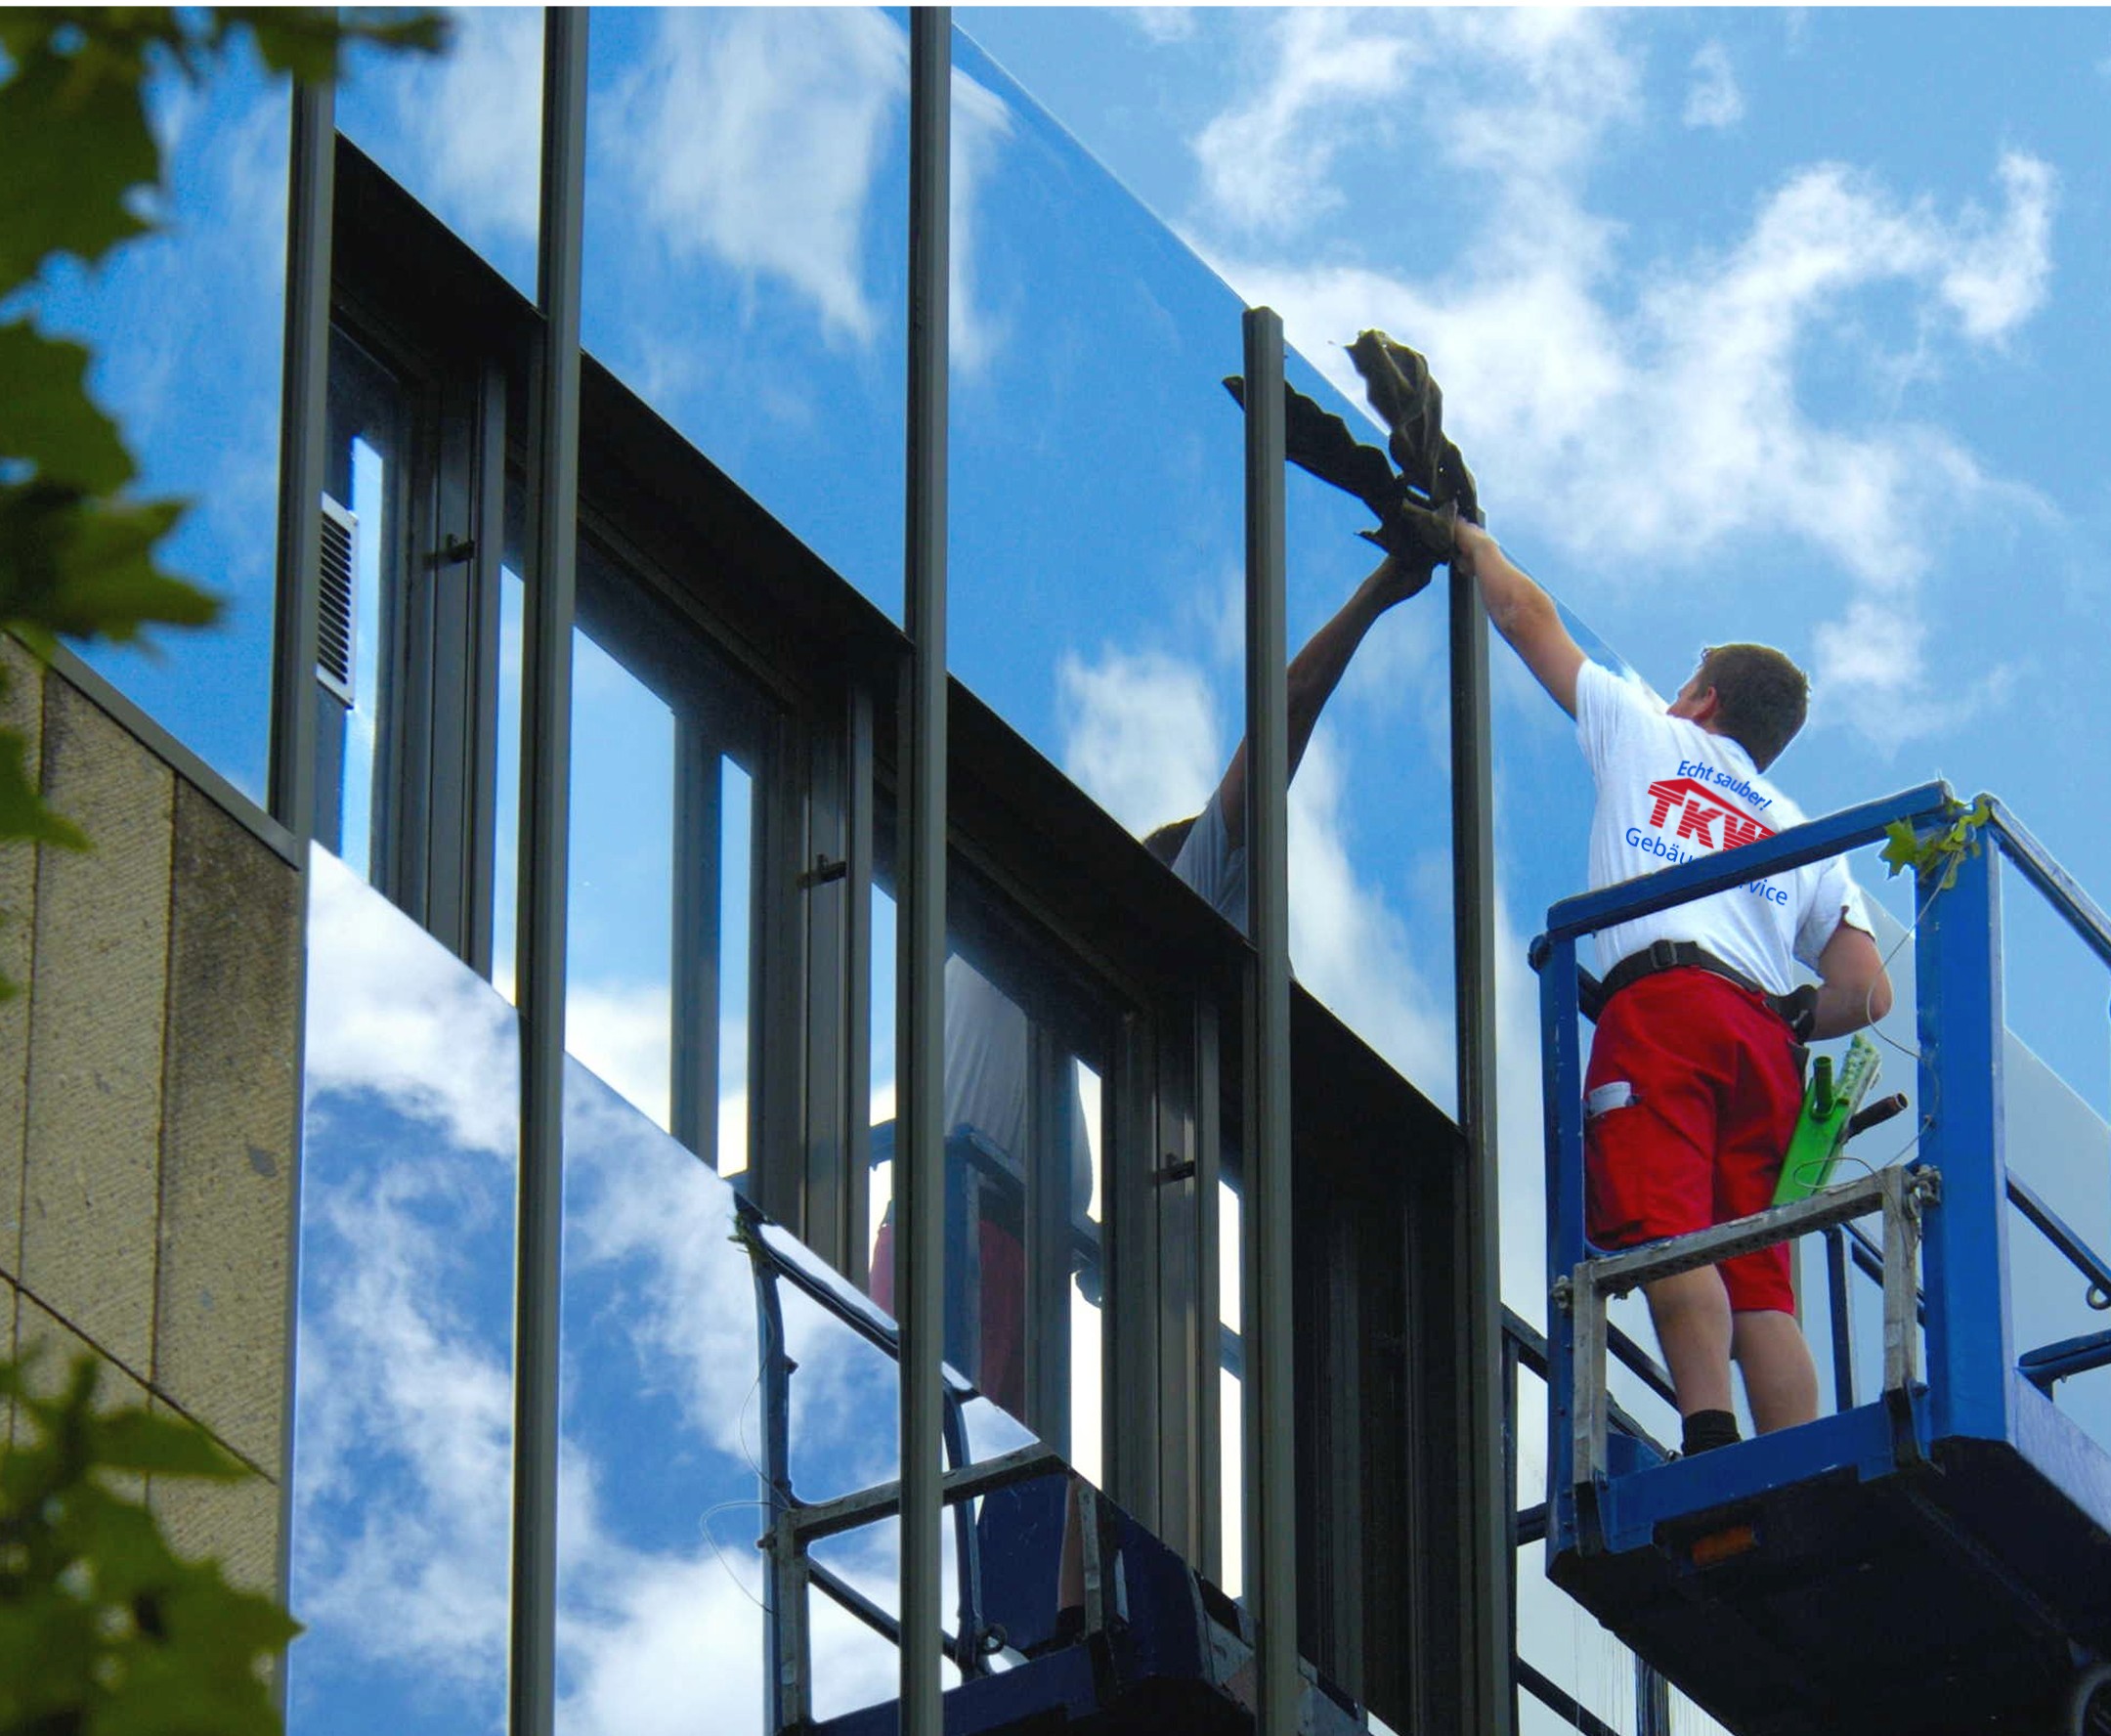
(1485, 1641)
(699, 882)
(919, 1164)
(544, 858)
(777, 977)
(487, 583)
(1052, 1100)
(1208, 1346)
(451, 657)
(400, 814)
(824, 912)
(1268, 1325)
(857, 981)
(1139, 1204)
(303, 440)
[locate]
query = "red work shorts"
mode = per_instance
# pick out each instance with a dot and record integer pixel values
(1713, 1091)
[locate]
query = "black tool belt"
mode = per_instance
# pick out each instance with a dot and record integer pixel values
(1793, 1009)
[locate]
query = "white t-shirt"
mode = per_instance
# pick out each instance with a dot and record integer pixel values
(1208, 863)
(988, 1069)
(1669, 792)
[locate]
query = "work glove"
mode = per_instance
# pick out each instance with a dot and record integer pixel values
(1397, 382)
(1319, 441)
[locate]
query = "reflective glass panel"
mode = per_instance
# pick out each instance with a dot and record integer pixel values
(746, 216)
(187, 329)
(1096, 579)
(461, 131)
(668, 766)
(1022, 1135)
(403, 1403)
(715, 1373)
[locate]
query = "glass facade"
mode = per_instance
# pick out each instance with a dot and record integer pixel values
(404, 1405)
(726, 1349)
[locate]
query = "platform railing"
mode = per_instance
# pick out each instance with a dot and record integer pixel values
(1964, 1303)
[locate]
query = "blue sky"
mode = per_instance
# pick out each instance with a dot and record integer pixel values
(1777, 325)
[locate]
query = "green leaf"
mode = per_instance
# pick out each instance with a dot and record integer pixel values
(75, 137)
(47, 417)
(84, 567)
(308, 42)
(136, 1440)
(23, 814)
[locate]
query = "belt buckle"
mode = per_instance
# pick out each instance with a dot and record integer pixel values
(1663, 955)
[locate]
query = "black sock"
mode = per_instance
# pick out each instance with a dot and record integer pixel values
(1707, 1429)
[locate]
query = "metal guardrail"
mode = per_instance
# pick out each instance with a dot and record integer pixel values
(1898, 1192)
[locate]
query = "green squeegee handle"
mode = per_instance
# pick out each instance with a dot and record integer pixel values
(1829, 1106)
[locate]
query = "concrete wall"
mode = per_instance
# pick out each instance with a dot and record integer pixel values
(149, 1090)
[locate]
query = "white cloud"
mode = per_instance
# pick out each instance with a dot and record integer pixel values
(624, 1032)
(981, 123)
(382, 1019)
(471, 119)
(1671, 404)
(1713, 99)
(1140, 734)
(1162, 24)
(1351, 946)
(1265, 165)
(774, 174)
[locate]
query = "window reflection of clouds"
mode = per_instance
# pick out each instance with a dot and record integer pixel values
(462, 130)
(405, 1397)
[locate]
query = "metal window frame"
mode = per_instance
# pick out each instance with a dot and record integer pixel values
(544, 838)
(310, 192)
(1484, 1642)
(1268, 1329)
(920, 1178)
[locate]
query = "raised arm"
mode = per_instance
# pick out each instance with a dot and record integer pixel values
(1522, 614)
(1315, 671)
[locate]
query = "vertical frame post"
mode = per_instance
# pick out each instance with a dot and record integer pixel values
(1957, 966)
(303, 434)
(1269, 1330)
(1562, 1115)
(699, 893)
(1208, 1351)
(857, 981)
(545, 837)
(920, 1168)
(1484, 1601)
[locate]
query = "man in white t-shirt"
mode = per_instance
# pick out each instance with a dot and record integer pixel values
(1209, 850)
(1693, 1083)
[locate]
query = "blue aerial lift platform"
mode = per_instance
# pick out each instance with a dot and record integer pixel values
(1936, 1560)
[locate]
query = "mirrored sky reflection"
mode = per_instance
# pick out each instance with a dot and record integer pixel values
(404, 1402)
(745, 272)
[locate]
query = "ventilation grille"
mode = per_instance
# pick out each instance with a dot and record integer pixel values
(337, 610)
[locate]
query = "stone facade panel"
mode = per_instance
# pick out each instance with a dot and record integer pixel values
(92, 1144)
(226, 1157)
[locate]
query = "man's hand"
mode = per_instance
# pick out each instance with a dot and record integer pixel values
(1398, 578)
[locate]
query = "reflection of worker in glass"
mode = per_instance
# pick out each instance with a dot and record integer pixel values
(990, 1147)
(1692, 1089)
(1209, 850)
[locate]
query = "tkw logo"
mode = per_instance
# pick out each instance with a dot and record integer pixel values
(1703, 815)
